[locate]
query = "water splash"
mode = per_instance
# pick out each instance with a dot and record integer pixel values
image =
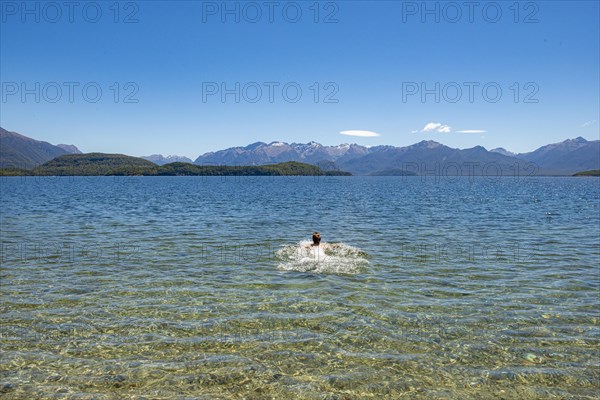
(328, 258)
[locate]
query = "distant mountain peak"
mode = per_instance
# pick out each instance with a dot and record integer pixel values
(255, 145)
(159, 159)
(503, 151)
(70, 148)
(479, 148)
(429, 144)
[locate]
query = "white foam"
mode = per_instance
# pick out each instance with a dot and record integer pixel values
(328, 258)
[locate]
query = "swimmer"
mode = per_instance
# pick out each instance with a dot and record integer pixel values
(316, 242)
(316, 237)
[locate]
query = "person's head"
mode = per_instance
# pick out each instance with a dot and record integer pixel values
(316, 237)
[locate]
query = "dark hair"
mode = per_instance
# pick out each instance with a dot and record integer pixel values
(316, 237)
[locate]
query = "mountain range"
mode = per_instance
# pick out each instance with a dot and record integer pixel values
(572, 154)
(423, 158)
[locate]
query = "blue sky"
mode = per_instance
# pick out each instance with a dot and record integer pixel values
(162, 68)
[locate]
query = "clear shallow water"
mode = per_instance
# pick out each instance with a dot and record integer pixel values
(175, 287)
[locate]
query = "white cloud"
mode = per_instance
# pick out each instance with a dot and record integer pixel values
(360, 133)
(436, 127)
(588, 123)
(441, 128)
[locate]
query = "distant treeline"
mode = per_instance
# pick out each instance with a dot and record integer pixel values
(99, 164)
(594, 172)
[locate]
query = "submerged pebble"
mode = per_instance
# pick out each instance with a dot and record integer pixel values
(7, 387)
(533, 358)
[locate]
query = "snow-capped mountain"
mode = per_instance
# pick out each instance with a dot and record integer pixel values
(262, 153)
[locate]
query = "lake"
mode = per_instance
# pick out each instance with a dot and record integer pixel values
(200, 287)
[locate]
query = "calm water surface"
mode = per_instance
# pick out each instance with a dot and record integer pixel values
(197, 288)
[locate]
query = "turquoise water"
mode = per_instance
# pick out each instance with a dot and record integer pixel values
(200, 288)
